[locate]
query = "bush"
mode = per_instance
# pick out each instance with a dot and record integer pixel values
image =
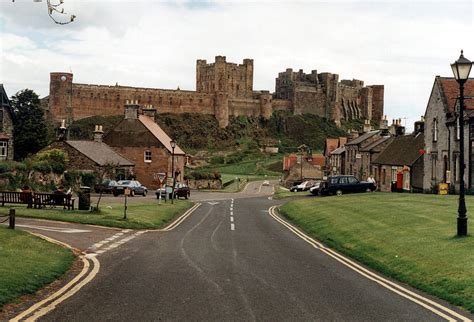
(217, 160)
(88, 179)
(202, 175)
(41, 166)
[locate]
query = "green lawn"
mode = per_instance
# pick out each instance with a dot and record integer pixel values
(410, 237)
(28, 263)
(139, 215)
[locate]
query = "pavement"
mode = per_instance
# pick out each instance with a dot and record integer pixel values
(232, 258)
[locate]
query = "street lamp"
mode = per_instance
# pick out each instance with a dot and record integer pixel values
(461, 69)
(173, 145)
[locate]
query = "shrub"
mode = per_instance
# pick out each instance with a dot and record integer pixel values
(41, 166)
(88, 179)
(217, 160)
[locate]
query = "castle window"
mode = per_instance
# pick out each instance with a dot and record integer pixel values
(3, 150)
(200, 100)
(160, 100)
(191, 100)
(238, 88)
(118, 97)
(147, 156)
(92, 95)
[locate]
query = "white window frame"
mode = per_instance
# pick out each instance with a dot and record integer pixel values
(147, 156)
(435, 130)
(3, 150)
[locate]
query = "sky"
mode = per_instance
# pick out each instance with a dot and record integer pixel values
(146, 43)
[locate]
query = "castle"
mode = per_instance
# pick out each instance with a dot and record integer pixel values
(222, 89)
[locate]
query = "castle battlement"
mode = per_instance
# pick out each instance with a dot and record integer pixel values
(222, 89)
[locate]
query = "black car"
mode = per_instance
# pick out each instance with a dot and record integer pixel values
(105, 187)
(338, 185)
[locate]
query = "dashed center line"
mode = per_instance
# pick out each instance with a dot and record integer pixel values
(232, 225)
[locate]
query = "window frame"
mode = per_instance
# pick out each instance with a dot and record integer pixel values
(147, 156)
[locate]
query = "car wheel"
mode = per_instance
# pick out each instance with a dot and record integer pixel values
(339, 192)
(115, 194)
(132, 193)
(368, 190)
(186, 197)
(144, 193)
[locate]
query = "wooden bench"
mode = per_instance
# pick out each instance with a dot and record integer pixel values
(16, 197)
(42, 200)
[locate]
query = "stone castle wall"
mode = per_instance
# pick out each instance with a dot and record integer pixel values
(222, 89)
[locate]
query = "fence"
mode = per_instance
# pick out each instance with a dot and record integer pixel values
(11, 219)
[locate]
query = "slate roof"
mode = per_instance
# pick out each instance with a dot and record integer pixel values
(450, 91)
(362, 138)
(100, 153)
(403, 150)
(339, 150)
(373, 145)
(158, 132)
(5, 102)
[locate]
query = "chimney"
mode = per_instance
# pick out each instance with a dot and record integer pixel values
(384, 123)
(354, 134)
(367, 127)
(62, 131)
(98, 134)
(131, 110)
(419, 126)
(148, 110)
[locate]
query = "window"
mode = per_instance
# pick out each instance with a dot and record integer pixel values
(3, 150)
(435, 130)
(147, 156)
(394, 174)
(458, 129)
(352, 180)
(383, 176)
(455, 167)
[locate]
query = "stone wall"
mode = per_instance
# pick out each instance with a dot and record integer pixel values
(204, 184)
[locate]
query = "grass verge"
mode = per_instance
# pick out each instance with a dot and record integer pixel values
(27, 263)
(139, 215)
(410, 237)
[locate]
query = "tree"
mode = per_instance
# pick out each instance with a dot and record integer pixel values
(29, 128)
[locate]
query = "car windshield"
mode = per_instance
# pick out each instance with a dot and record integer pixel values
(124, 182)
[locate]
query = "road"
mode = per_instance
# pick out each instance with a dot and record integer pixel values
(229, 260)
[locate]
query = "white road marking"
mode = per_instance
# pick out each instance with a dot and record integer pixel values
(231, 213)
(414, 297)
(232, 227)
(213, 203)
(56, 229)
(231, 219)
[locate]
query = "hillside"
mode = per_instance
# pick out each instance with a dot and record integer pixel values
(196, 132)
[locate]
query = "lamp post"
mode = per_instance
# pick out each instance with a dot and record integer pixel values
(173, 145)
(461, 69)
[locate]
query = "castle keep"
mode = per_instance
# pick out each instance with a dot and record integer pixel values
(222, 89)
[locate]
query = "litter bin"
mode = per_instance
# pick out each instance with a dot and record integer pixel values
(443, 188)
(84, 198)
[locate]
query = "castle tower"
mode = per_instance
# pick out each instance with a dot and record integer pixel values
(265, 105)
(221, 76)
(221, 108)
(60, 97)
(377, 101)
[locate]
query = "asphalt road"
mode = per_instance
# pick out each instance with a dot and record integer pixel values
(230, 260)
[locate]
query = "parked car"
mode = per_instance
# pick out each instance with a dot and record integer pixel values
(304, 186)
(106, 186)
(180, 190)
(135, 186)
(315, 188)
(266, 183)
(338, 185)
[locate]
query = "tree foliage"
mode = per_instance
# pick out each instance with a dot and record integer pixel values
(29, 128)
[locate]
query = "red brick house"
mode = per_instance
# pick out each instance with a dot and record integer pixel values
(142, 141)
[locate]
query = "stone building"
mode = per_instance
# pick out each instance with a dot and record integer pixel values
(223, 89)
(401, 162)
(442, 134)
(336, 164)
(6, 127)
(332, 160)
(142, 141)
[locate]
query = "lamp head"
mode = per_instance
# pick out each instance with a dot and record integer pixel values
(461, 68)
(173, 143)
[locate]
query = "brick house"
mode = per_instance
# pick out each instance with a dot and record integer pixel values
(356, 163)
(93, 156)
(330, 145)
(401, 162)
(297, 167)
(442, 132)
(142, 141)
(6, 127)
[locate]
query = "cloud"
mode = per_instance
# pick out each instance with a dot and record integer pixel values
(402, 45)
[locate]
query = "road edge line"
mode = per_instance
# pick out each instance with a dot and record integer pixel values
(65, 288)
(181, 218)
(412, 296)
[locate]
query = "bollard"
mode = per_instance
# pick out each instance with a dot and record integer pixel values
(11, 222)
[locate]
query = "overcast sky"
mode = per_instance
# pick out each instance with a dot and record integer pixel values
(147, 43)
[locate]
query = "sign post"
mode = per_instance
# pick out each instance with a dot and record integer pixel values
(160, 177)
(126, 193)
